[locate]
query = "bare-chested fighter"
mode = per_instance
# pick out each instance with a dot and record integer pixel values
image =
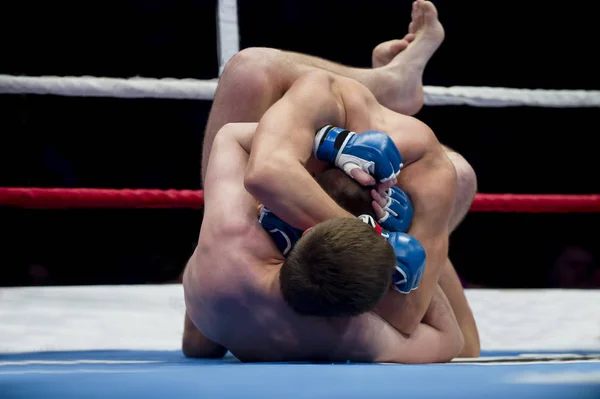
(232, 282)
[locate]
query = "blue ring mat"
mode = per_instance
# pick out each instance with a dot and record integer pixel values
(168, 374)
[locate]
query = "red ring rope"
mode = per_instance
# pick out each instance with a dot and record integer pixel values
(69, 198)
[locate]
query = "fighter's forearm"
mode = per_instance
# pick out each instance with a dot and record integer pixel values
(439, 316)
(406, 311)
(437, 339)
(417, 302)
(294, 196)
(276, 174)
(431, 184)
(452, 287)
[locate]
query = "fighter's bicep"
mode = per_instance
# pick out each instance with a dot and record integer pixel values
(288, 128)
(226, 201)
(283, 132)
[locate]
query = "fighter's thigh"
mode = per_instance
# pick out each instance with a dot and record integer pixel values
(466, 186)
(467, 178)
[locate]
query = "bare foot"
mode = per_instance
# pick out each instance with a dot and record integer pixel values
(385, 52)
(403, 72)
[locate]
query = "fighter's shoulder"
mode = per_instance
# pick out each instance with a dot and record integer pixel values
(238, 236)
(241, 254)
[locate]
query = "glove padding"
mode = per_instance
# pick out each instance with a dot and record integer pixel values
(398, 211)
(410, 257)
(283, 235)
(373, 152)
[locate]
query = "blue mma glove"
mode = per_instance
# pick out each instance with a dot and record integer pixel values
(398, 211)
(410, 257)
(373, 152)
(283, 235)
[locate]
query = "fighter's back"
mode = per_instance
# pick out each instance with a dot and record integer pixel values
(232, 287)
(237, 303)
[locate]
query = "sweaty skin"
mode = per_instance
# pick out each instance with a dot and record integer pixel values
(232, 289)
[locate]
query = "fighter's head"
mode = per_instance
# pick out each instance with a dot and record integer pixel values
(341, 267)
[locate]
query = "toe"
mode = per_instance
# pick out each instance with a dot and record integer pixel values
(386, 51)
(409, 37)
(414, 14)
(396, 46)
(429, 12)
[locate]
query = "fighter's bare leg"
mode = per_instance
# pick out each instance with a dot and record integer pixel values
(449, 280)
(465, 190)
(396, 79)
(255, 78)
(402, 90)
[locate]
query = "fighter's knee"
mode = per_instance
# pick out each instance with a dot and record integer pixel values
(471, 346)
(251, 74)
(254, 66)
(466, 177)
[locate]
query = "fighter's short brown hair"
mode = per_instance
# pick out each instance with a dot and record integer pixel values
(342, 267)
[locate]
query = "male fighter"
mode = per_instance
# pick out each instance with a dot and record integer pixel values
(233, 292)
(361, 112)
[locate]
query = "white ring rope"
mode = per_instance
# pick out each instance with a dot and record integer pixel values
(89, 86)
(506, 97)
(192, 89)
(228, 45)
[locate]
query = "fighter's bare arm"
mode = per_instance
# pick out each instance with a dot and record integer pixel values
(282, 146)
(229, 212)
(430, 182)
(437, 339)
(195, 344)
(429, 178)
(452, 287)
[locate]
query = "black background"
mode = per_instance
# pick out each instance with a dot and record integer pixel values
(50, 141)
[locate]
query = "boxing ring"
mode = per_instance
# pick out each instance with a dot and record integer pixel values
(124, 341)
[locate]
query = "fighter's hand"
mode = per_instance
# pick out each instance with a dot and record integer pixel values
(410, 257)
(393, 208)
(371, 154)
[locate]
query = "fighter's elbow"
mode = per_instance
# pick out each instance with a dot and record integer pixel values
(192, 350)
(408, 325)
(459, 344)
(470, 351)
(452, 345)
(471, 346)
(260, 175)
